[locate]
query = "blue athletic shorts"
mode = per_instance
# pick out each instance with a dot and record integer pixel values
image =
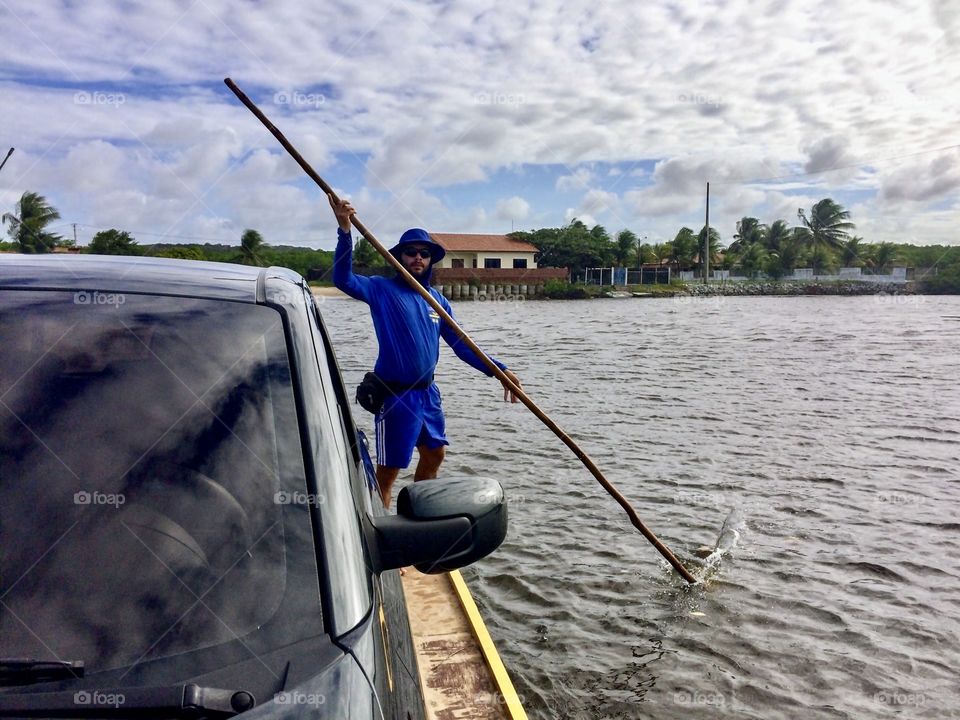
(406, 421)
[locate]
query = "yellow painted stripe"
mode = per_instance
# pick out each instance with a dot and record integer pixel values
(500, 677)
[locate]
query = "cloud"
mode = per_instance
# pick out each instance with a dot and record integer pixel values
(118, 112)
(924, 180)
(514, 208)
(596, 201)
(577, 181)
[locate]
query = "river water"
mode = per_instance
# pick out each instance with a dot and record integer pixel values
(831, 424)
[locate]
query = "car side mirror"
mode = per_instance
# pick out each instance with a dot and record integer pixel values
(441, 525)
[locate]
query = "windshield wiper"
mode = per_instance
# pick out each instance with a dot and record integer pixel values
(190, 702)
(21, 671)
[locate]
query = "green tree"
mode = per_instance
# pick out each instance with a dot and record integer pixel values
(714, 246)
(574, 246)
(683, 248)
(749, 232)
(882, 257)
(627, 247)
(252, 246)
(113, 242)
(662, 252)
(647, 254)
(775, 236)
(824, 230)
(365, 255)
(179, 252)
(754, 259)
(852, 253)
(28, 227)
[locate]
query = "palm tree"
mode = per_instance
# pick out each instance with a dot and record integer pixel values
(882, 256)
(852, 254)
(825, 229)
(754, 259)
(777, 235)
(714, 245)
(661, 252)
(251, 245)
(627, 244)
(33, 214)
(684, 248)
(749, 231)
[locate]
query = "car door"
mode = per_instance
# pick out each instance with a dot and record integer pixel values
(390, 660)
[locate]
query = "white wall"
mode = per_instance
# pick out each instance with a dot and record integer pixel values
(506, 259)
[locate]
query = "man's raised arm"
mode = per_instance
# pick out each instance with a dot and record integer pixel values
(356, 286)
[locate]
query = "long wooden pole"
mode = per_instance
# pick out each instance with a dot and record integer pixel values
(500, 375)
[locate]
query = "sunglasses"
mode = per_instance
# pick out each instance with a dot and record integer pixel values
(414, 252)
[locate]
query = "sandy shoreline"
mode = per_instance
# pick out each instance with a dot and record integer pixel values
(328, 292)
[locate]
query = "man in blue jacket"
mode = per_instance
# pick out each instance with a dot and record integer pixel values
(408, 333)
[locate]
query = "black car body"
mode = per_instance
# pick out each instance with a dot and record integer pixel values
(189, 523)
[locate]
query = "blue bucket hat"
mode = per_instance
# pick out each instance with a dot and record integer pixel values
(420, 237)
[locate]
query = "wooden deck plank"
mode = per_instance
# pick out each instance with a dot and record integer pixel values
(453, 673)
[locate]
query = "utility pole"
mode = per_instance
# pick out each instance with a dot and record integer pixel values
(706, 242)
(74, 234)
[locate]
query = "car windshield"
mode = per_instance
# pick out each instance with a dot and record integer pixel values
(147, 444)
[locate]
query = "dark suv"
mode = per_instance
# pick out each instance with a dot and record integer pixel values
(188, 515)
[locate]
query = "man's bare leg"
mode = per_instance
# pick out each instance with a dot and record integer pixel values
(386, 476)
(429, 464)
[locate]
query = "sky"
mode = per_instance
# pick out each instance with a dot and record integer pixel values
(482, 117)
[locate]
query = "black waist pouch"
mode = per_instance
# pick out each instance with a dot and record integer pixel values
(374, 390)
(371, 393)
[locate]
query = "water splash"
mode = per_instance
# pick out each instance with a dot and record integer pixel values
(730, 532)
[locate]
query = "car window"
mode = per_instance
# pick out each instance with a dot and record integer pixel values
(149, 458)
(336, 472)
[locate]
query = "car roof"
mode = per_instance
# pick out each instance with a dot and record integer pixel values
(132, 274)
